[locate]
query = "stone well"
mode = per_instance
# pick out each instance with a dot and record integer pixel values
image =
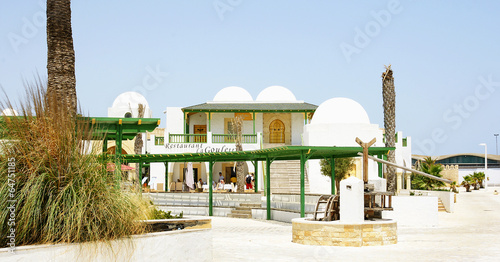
(337, 233)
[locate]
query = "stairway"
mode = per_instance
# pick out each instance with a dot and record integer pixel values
(244, 210)
(441, 207)
(285, 177)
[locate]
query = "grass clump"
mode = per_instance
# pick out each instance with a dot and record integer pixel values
(160, 214)
(62, 191)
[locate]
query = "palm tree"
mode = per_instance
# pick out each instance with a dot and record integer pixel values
(479, 178)
(237, 131)
(139, 142)
(468, 182)
(429, 166)
(389, 97)
(61, 82)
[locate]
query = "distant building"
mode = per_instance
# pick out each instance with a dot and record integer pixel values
(459, 165)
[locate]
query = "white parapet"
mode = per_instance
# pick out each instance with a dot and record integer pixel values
(351, 200)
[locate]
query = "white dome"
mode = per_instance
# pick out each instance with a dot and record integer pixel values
(276, 94)
(9, 112)
(130, 99)
(340, 110)
(233, 94)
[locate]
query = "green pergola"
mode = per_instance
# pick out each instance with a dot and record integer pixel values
(302, 153)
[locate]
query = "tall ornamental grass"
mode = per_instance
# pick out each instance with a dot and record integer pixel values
(62, 193)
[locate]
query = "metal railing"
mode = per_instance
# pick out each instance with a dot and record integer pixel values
(159, 140)
(224, 138)
(187, 138)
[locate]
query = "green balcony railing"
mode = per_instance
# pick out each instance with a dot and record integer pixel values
(159, 140)
(224, 138)
(187, 138)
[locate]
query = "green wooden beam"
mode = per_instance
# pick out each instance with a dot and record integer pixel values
(210, 189)
(332, 164)
(166, 176)
(268, 188)
(256, 173)
(302, 184)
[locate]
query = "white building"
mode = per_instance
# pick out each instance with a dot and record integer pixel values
(274, 118)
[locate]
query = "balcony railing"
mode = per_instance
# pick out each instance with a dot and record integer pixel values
(187, 138)
(159, 140)
(223, 138)
(216, 138)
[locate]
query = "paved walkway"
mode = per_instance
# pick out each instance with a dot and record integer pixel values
(472, 233)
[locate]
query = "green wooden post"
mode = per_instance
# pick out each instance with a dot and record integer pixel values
(166, 176)
(210, 189)
(253, 117)
(209, 122)
(140, 174)
(256, 173)
(118, 152)
(332, 164)
(302, 184)
(380, 170)
(105, 145)
(268, 188)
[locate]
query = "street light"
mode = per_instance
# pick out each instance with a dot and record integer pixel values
(496, 141)
(485, 164)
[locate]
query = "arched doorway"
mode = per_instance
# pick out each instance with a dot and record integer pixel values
(277, 132)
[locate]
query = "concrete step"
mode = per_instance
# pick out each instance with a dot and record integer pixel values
(441, 207)
(239, 215)
(250, 205)
(242, 212)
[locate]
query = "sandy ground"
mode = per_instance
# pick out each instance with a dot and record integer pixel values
(472, 233)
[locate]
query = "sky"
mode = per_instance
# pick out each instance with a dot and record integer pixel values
(445, 56)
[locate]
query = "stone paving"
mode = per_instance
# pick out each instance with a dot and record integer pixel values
(472, 233)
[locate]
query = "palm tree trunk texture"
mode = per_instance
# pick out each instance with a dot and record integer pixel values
(240, 175)
(389, 97)
(60, 55)
(139, 143)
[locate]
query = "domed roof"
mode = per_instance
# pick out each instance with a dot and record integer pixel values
(276, 94)
(9, 112)
(130, 99)
(233, 94)
(340, 110)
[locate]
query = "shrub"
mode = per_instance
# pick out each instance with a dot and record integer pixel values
(62, 193)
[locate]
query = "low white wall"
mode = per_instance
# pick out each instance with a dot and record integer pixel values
(160, 246)
(414, 211)
(277, 215)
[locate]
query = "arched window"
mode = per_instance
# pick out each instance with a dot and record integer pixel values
(277, 132)
(128, 115)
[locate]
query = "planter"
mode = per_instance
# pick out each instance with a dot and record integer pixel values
(193, 243)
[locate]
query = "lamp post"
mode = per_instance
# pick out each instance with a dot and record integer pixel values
(496, 141)
(485, 165)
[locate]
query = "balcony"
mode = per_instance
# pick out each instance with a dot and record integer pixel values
(211, 138)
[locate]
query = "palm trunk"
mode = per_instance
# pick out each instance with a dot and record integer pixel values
(61, 85)
(389, 97)
(240, 172)
(138, 144)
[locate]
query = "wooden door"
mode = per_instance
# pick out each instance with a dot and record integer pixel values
(200, 130)
(277, 132)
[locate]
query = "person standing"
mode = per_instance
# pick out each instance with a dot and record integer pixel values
(248, 181)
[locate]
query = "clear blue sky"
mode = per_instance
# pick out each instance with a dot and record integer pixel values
(445, 56)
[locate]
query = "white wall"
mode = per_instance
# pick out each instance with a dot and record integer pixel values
(297, 128)
(414, 211)
(197, 119)
(337, 135)
(171, 246)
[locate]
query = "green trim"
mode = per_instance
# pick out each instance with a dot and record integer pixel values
(302, 184)
(332, 178)
(268, 188)
(166, 176)
(210, 188)
(256, 168)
